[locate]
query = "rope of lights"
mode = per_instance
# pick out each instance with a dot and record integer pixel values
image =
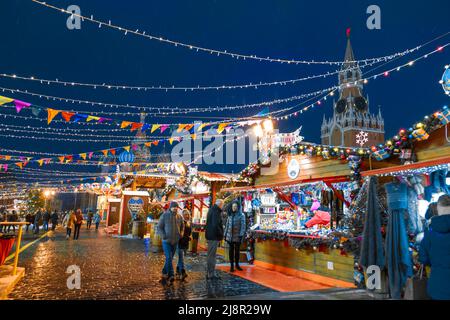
(215, 51)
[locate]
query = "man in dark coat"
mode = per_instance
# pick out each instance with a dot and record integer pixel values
(434, 251)
(54, 219)
(213, 234)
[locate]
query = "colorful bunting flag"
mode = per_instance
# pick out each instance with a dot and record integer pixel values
(155, 127)
(4, 100)
(125, 124)
(20, 105)
(52, 113)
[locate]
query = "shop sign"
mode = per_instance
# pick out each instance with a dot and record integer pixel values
(268, 199)
(293, 168)
(135, 205)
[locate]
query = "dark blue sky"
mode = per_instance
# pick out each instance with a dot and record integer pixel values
(35, 41)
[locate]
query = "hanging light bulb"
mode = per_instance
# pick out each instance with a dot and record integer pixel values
(268, 125)
(257, 129)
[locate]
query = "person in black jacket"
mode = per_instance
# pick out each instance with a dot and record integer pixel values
(213, 234)
(183, 245)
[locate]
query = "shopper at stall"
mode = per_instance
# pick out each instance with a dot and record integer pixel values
(54, 219)
(213, 234)
(434, 251)
(29, 219)
(234, 232)
(97, 220)
(170, 227)
(183, 245)
(78, 223)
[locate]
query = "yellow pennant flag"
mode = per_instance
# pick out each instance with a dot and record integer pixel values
(105, 152)
(4, 100)
(83, 155)
(222, 127)
(90, 118)
(125, 124)
(127, 148)
(19, 164)
(7, 157)
(155, 127)
(41, 162)
(181, 127)
(52, 113)
(201, 126)
(194, 136)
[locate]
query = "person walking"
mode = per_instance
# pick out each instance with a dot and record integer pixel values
(54, 219)
(69, 223)
(213, 234)
(78, 223)
(434, 251)
(97, 220)
(45, 220)
(37, 220)
(183, 245)
(29, 219)
(234, 232)
(90, 216)
(170, 227)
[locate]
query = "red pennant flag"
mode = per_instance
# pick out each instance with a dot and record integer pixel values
(113, 151)
(156, 142)
(67, 115)
(136, 125)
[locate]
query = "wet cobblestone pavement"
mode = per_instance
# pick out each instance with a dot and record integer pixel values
(113, 268)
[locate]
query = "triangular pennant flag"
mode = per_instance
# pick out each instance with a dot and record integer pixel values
(134, 147)
(51, 114)
(79, 116)
(155, 127)
(263, 112)
(136, 125)
(113, 151)
(20, 105)
(41, 162)
(164, 127)
(7, 157)
(90, 154)
(170, 140)
(47, 161)
(90, 118)
(194, 136)
(19, 164)
(156, 142)
(221, 127)
(35, 111)
(148, 144)
(83, 156)
(61, 159)
(5, 167)
(201, 126)
(127, 148)
(69, 159)
(188, 127)
(4, 100)
(125, 124)
(105, 152)
(145, 127)
(181, 127)
(67, 115)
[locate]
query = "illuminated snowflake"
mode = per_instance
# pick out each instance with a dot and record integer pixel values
(362, 138)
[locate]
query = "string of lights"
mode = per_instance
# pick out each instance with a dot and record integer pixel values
(364, 80)
(164, 110)
(216, 52)
(256, 85)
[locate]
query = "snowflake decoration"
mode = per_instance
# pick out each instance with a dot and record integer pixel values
(362, 138)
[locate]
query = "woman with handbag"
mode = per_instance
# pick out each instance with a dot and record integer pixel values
(234, 233)
(434, 251)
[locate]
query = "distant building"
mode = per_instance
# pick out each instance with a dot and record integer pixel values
(352, 124)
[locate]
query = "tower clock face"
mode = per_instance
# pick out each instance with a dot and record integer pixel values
(341, 105)
(360, 104)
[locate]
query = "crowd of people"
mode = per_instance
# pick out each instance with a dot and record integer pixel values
(175, 230)
(43, 220)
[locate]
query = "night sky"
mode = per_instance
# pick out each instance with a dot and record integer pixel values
(36, 42)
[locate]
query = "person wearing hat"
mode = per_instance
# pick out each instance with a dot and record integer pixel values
(170, 227)
(434, 251)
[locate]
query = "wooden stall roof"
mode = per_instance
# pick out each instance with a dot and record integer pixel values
(212, 176)
(412, 166)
